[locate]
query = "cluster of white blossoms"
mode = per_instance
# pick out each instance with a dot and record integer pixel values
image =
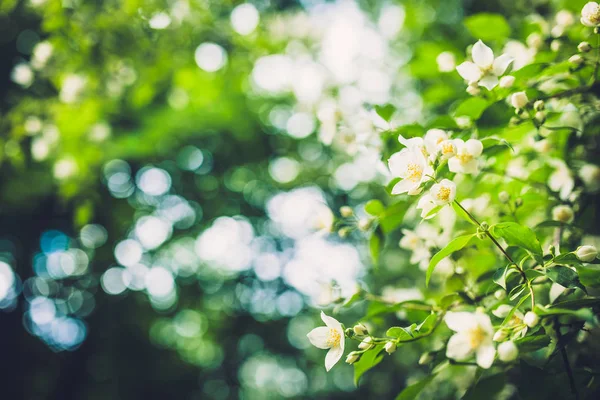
(414, 165)
(590, 14)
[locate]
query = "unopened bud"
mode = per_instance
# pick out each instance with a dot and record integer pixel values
(364, 224)
(502, 311)
(504, 197)
(518, 202)
(366, 344)
(390, 347)
(346, 211)
(360, 330)
(473, 89)
(508, 351)
(425, 358)
(500, 294)
(555, 45)
(539, 105)
(519, 100)
(540, 116)
(586, 253)
(352, 357)
(584, 47)
(344, 232)
(562, 213)
(576, 60)
(506, 81)
(531, 319)
(500, 335)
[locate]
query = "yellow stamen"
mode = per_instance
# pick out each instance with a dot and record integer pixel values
(444, 194)
(415, 172)
(476, 337)
(334, 338)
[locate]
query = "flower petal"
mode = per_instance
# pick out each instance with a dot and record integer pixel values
(459, 347)
(404, 186)
(333, 356)
(318, 337)
(460, 321)
(474, 147)
(485, 355)
(489, 82)
(501, 64)
(469, 71)
(483, 56)
(331, 322)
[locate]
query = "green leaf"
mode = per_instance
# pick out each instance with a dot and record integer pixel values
(411, 392)
(532, 343)
(500, 276)
(378, 308)
(374, 207)
(486, 388)
(487, 26)
(455, 245)
(462, 213)
(520, 236)
(589, 275)
(375, 244)
(496, 141)
(385, 111)
(393, 216)
(428, 324)
(564, 276)
(368, 360)
(433, 211)
(584, 313)
(567, 258)
(399, 333)
(473, 107)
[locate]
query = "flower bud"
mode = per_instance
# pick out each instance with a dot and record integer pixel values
(473, 89)
(500, 294)
(360, 330)
(535, 40)
(576, 60)
(425, 358)
(586, 253)
(500, 335)
(502, 311)
(508, 351)
(518, 202)
(555, 45)
(531, 319)
(590, 175)
(446, 61)
(364, 224)
(390, 347)
(366, 344)
(506, 81)
(584, 47)
(539, 105)
(504, 197)
(352, 357)
(346, 211)
(519, 100)
(562, 213)
(540, 116)
(344, 232)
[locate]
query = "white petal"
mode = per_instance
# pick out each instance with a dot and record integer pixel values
(333, 356)
(331, 322)
(454, 165)
(484, 322)
(485, 355)
(426, 204)
(469, 71)
(404, 186)
(482, 55)
(459, 347)
(460, 321)
(318, 337)
(398, 162)
(474, 147)
(489, 82)
(501, 64)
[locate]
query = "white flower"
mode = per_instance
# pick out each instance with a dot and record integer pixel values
(465, 160)
(41, 54)
(322, 219)
(426, 204)
(484, 69)
(329, 337)
(519, 100)
(473, 335)
(507, 81)
(508, 351)
(562, 213)
(447, 149)
(390, 347)
(561, 180)
(72, 87)
(590, 175)
(586, 253)
(564, 18)
(444, 192)
(590, 14)
(446, 61)
(412, 166)
(531, 319)
(22, 74)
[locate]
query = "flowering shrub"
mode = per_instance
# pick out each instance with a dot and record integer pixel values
(495, 197)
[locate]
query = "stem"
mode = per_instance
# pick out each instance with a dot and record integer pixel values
(565, 357)
(508, 257)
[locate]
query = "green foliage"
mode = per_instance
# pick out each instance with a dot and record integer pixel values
(487, 26)
(455, 245)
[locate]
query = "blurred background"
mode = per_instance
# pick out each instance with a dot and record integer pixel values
(171, 170)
